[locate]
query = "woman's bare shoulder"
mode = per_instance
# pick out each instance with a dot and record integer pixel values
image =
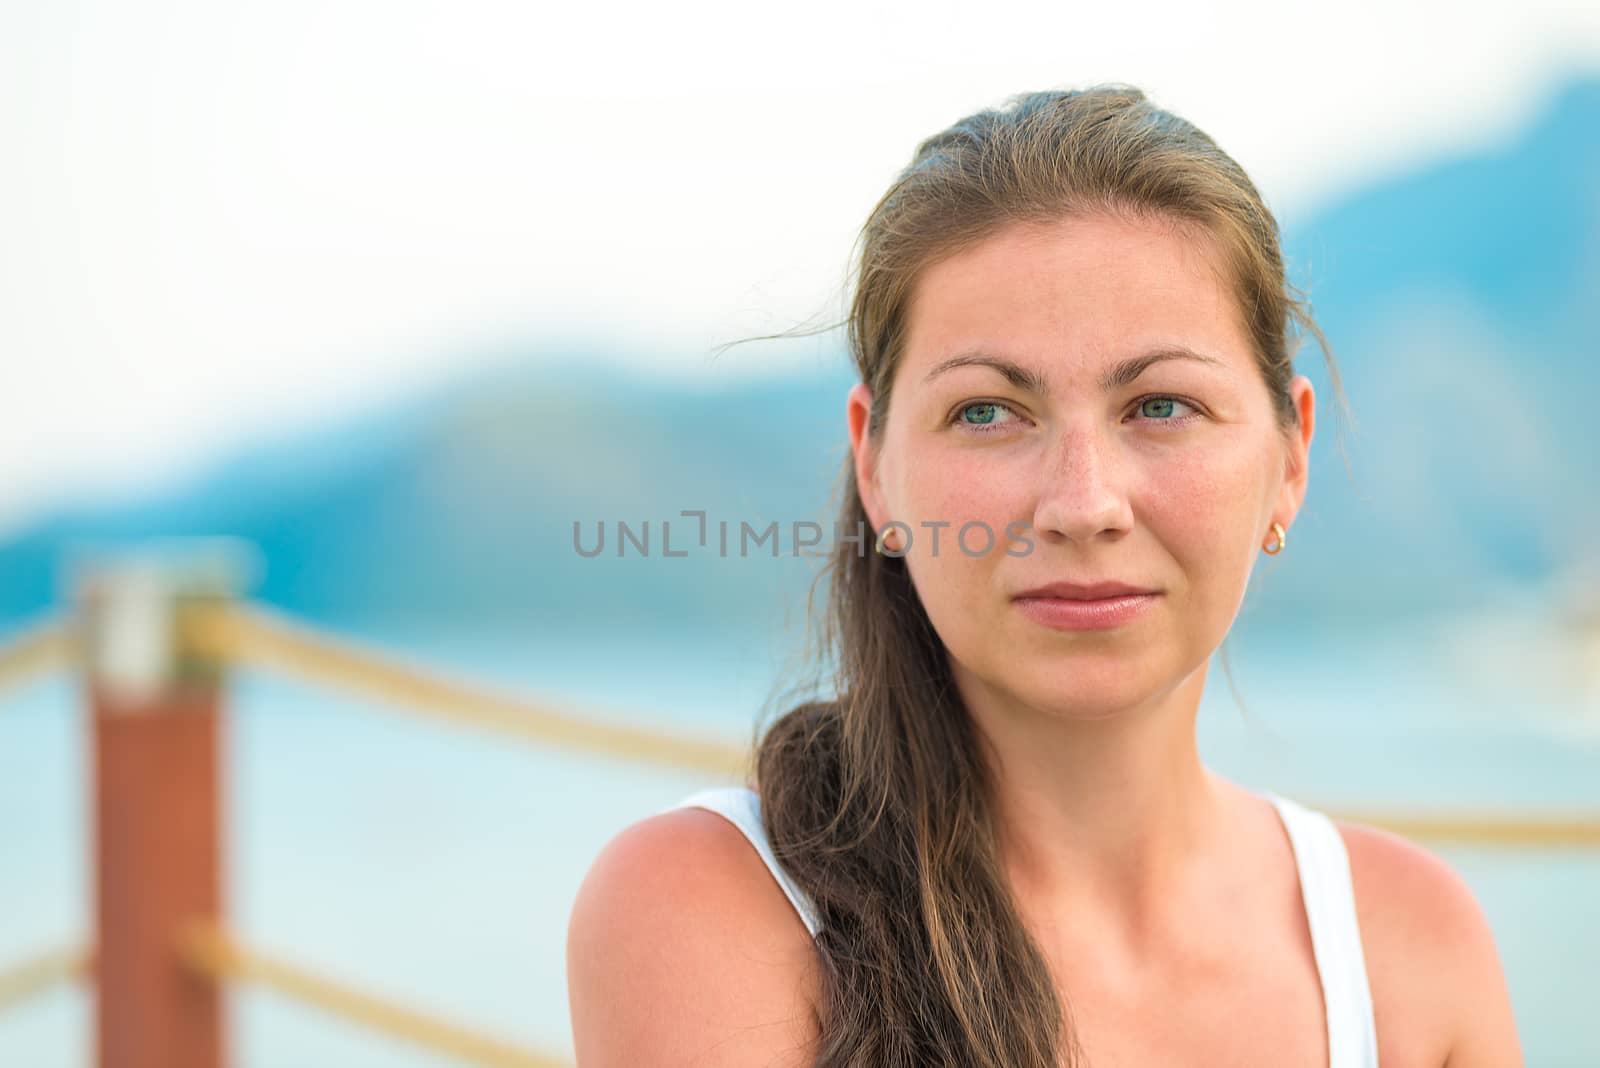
(683, 949)
(1438, 988)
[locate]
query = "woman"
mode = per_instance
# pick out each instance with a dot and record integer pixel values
(999, 846)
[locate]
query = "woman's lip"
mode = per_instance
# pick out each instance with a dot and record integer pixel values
(1061, 613)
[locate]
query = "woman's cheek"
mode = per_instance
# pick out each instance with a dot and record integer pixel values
(1203, 513)
(950, 579)
(972, 510)
(951, 486)
(1208, 485)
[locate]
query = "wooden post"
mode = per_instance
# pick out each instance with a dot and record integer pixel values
(156, 721)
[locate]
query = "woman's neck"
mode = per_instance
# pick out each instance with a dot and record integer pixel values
(1112, 821)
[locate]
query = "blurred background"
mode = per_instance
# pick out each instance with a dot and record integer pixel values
(393, 294)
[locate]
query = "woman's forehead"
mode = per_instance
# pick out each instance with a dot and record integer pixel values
(1077, 298)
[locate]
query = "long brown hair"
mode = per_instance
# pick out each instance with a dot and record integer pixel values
(875, 800)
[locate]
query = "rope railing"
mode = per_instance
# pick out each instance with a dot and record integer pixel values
(35, 975)
(256, 635)
(44, 646)
(217, 955)
(1487, 830)
(253, 634)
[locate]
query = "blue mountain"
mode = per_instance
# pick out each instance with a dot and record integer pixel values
(1461, 302)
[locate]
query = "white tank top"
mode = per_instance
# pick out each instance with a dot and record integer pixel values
(1325, 888)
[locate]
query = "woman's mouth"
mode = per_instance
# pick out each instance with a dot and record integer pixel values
(1104, 613)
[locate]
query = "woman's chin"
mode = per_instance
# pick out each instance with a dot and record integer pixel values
(1083, 695)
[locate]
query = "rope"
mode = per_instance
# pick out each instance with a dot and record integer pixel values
(41, 647)
(35, 976)
(215, 954)
(252, 634)
(1542, 832)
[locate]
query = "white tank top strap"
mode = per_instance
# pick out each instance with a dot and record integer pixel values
(741, 806)
(1329, 896)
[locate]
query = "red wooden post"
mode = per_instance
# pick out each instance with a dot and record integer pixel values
(155, 711)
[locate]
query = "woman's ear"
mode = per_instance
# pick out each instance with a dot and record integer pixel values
(1296, 471)
(858, 414)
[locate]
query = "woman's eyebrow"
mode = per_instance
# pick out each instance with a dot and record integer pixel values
(1032, 381)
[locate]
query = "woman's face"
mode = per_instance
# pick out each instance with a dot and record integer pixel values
(1166, 476)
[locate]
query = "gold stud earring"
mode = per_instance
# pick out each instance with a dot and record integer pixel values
(1277, 529)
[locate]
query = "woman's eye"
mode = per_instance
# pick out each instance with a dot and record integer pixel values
(982, 415)
(1159, 409)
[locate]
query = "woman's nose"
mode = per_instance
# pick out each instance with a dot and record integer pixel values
(1081, 490)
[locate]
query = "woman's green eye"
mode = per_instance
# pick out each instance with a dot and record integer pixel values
(983, 416)
(1163, 411)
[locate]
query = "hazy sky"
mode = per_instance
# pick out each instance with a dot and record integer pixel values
(217, 220)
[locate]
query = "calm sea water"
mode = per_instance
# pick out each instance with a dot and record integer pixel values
(437, 865)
